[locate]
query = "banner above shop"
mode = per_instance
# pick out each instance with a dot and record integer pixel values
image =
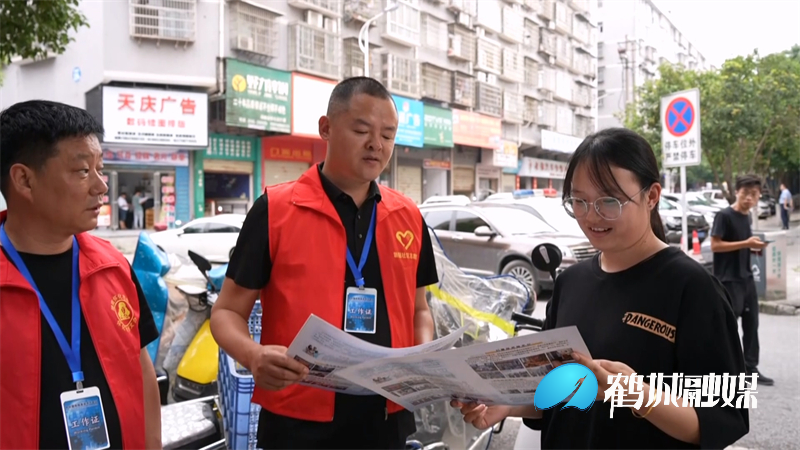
(155, 117)
(506, 155)
(438, 127)
(171, 158)
(476, 130)
(233, 148)
(309, 102)
(411, 126)
(285, 148)
(559, 142)
(543, 168)
(257, 97)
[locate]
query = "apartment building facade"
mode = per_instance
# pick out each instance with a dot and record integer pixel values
(634, 39)
(492, 95)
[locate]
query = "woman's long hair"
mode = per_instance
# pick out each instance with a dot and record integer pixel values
(621, 148)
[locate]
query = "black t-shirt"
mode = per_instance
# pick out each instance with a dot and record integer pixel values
(250, 268)
(732, 226)
(665, 315)
(53, 276)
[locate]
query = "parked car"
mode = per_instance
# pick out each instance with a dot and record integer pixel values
(212, 237)
(547, 208)
(671, 215)
(487, 239)
(696, 202)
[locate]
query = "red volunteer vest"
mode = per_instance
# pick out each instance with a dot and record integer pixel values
(110, 306)
(308, 245)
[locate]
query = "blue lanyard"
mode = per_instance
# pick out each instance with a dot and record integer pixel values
(73, 353)
(364, 252)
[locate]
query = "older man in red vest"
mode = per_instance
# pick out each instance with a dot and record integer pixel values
(74, 371)
(303, 248)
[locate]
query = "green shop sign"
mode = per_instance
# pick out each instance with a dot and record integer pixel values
(438, 127)
(257, 97)
(233, 148)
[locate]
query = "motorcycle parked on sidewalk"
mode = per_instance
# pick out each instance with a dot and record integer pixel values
(193, 424)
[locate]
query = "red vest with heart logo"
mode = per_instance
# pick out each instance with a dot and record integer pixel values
(110, 307)
(307, 246)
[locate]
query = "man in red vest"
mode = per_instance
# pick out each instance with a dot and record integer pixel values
(320, 245)
(74, 371)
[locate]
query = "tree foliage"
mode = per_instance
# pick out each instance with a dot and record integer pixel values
(750, 113)
(37, 28)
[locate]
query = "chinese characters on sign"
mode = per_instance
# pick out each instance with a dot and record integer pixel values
(476, 130)
(680, 129)
(697, 391)
(290, 154)
(505, 155)
(230, 148)
(438, 129)
(168, 198)
(258, 97)
(157, 158)
(155, 117)
(542, 168)
(410, 122)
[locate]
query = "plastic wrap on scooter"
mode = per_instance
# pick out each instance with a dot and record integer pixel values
(150, 264)
(486, 304)
(185, 423)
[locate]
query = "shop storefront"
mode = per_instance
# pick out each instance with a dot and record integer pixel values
(226, 176)
(408, 143)
(475, 137)
(258, 98)
(438, 140)
(542, 173)
(286, 157)
(149, 137)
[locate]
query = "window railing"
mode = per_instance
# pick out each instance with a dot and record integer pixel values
(315, 51)
(163, 20)
(253, 29)
(437, 83)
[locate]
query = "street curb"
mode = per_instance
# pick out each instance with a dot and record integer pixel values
(779, 308)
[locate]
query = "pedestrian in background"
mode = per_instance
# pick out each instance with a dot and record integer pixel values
(787, 205)
(641, 306)
(74, 322)
(732, 242)
(314, 246)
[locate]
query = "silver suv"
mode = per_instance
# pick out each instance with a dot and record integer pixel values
(491, 239)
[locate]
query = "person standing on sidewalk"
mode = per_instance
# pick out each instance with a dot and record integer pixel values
(732, 241)
(329, 244)
(74, 323)
(138, 210)
(786, 203)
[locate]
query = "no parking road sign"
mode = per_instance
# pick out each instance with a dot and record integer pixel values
(680, 128)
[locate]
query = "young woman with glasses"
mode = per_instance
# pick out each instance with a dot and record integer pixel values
(642, 307)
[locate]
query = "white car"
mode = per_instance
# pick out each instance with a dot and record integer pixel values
(211, 237)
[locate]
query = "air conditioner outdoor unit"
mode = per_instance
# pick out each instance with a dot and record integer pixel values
(246, 43)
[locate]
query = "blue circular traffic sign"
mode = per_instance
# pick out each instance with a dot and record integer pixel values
(679, 116)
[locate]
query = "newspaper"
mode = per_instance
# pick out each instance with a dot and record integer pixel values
(326, 350)
(504, 372)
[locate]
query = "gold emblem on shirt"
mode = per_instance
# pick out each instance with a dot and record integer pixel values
(126, 319)
(650, 324)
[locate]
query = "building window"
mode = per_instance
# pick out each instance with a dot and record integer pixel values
(531, 41)
(513, 66)
(531, 110)
(434, 33)
(489, 56)
(403, 24)
(547, 114)
(463, 90)
(437, 83)
(489, 99)
(327, 7)
(353, 59)
(315, 51)
(513, 107)
(253, 29)
(513, 24)
(564, 120)
(531, 73)
(400, 75)
(461, 44)
(563, 18)
(167, 20)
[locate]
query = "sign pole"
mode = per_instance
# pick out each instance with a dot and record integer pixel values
(684, 226)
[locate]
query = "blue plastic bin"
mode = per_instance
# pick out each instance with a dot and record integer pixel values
(240, 417)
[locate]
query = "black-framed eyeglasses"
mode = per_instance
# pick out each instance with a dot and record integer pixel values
(609, 208)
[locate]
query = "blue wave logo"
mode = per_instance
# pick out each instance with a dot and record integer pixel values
(567, 380)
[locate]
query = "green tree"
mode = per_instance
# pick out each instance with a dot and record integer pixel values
(36, 28)
(749, 113)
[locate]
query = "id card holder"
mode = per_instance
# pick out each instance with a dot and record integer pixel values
(360, 310)
(85, 419)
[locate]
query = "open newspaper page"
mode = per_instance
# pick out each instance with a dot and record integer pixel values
(325, 350)
(503, 372)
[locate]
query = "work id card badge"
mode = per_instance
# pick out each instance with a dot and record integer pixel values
(85, 419)
(360, 314)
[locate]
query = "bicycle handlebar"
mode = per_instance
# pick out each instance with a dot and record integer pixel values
(527, 320)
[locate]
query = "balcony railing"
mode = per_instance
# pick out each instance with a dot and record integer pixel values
(489, 56)
(332, 8)
(513, 66)
(463, 90)
(513, 107)
(163, 20)
(513, 24)
(531, 114)
(489, 99)
(353, 59)
(253, 29)
(437, 83)
(400, 75)
(461, 44)
(547, 114)
(315, 51)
